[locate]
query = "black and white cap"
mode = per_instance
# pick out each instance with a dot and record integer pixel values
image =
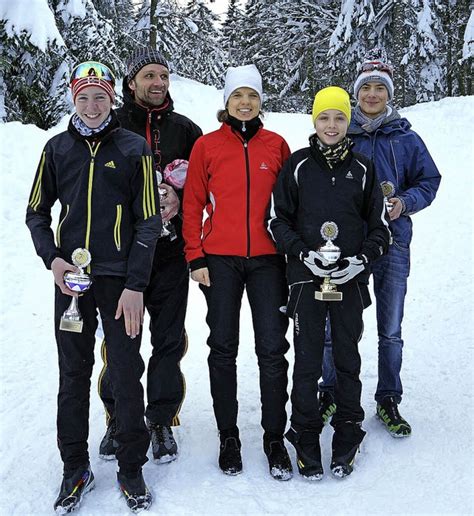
(142, 57)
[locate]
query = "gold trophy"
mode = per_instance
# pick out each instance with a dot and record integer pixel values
(331, 254)
(388, 190)
(71, 319)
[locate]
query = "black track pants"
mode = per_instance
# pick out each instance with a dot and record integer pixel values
(166, 300)
(309, 317)
(76, 359)
(264, 279)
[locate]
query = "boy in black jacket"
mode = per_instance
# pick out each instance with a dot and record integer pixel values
(328, 185)
(104, 179)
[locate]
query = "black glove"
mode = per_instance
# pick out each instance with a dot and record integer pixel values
(316, 263)
(349, 268)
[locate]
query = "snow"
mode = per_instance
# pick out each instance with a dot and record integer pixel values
(32, 16)
(429, 473)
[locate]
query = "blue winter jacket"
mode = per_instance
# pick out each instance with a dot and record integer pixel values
(401, 157)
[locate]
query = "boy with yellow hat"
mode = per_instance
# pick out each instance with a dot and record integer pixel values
(327, 195)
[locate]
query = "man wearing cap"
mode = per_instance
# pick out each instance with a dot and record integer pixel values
(409, 179)
(109, 223)
(148, 111)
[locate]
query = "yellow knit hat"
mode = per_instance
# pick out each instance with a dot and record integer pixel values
(332, 97)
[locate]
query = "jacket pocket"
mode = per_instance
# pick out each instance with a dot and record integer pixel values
(58, 230)
(404, 248)
(117, 227)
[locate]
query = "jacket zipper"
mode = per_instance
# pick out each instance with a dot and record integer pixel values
(118, 221)
(148, 129)
(58, 231)
(89, 196)
(247, 168)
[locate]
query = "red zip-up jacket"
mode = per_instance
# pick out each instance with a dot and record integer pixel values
(233, 180)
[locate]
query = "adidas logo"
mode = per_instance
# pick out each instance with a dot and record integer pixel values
(264, 166)
(110, 164)
(349, 175)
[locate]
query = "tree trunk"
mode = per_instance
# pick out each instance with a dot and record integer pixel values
(153, 6)
(400, 38)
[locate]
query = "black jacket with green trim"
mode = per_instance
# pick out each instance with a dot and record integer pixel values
(109, 202)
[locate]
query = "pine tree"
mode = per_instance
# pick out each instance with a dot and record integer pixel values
(120, 14)
(454, 16)
(355, 33)
(467, 60)
(424, 63)
(231, 40)
(300, 44)
(198, 56)
(34, 74)
(157, 25)
(88, 34)
(288, 41)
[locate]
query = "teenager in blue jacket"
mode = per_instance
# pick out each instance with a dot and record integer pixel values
(410, 180)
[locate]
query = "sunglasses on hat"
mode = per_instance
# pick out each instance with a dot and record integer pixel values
(92, 69)
(370, 66)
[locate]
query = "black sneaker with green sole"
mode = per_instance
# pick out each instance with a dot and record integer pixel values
(327, 406)
(388, 414)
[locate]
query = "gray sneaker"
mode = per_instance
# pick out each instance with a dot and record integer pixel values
(163, 444)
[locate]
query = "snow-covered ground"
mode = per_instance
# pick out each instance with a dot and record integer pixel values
(429, 473)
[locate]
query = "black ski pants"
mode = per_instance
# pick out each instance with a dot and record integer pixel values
(125, 365)
(309, 317)
(264, 279)
(165, 299)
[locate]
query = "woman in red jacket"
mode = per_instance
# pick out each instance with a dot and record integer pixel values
(231, 175)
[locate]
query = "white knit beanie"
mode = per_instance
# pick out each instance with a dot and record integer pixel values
(246, 76)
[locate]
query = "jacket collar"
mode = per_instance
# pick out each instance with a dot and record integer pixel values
(230, 132)
(112, 126)
(393, 123)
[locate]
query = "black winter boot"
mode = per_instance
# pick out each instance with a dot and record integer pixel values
(279, 461)
(74, 486)
(345, 445)
(230, 460)
(134, 490)
(308, 453)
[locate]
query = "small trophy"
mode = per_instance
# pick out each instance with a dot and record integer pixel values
(388, 190)
(77, 282)
(168, 227)
(331, 253)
